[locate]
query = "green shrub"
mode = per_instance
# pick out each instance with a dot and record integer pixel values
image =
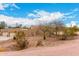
(69, 33)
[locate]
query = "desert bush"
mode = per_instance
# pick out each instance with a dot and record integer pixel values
(69, 33)
(39, 43)
(0, 33)
(20, 38)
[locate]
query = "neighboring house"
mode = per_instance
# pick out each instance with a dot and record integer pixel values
(5, 33)
(77, 33)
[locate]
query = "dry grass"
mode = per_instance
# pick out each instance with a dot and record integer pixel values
(35, 41)
(2, 49)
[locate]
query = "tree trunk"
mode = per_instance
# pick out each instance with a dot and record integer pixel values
(56, 29)
(44, 37)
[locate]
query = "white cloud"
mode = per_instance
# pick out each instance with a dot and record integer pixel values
(14, 5)
(31, 15)
(71, 15)
(42, 13)
(45, 16)
(72, 12)
(12, 21)
(42, 16)
(57, 15)
(3, 6)
(76, 9)
(39, 16)
(71, 24)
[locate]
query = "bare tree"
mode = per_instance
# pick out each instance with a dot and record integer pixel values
(57, 26)
(44, 28)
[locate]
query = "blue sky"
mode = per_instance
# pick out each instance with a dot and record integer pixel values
(30, 13)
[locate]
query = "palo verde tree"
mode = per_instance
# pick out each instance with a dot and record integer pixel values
(71, 31)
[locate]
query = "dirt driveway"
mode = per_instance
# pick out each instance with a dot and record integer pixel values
(67, 49)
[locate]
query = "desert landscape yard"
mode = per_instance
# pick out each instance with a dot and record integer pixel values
(39, 29)
(50, 47)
